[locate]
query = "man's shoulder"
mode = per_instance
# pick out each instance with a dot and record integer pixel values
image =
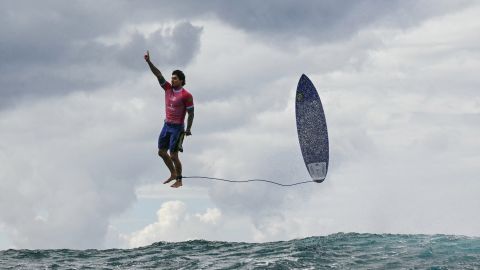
(187, 98)
(166, 86)
(186, 92)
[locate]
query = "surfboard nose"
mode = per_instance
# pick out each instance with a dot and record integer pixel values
(303, 79)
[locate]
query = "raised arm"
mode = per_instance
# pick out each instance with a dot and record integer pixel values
(154, 69)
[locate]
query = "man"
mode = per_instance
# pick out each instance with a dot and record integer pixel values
(178, 101)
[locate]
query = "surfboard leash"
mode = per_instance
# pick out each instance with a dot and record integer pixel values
(246, 181)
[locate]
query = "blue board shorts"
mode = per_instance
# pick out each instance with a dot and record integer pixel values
(171, 137)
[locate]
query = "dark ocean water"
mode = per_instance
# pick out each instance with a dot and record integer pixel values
(337, 251)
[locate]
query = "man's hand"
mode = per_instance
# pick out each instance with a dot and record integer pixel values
(147, 56)
(154, 70)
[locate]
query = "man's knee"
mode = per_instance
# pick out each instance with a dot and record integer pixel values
(174, 156)
(163, 153)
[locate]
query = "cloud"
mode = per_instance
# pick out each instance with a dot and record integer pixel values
(280, 23)
(211, 216)
(176, 223)
(72, 172)
(55, 51)
(399, 135)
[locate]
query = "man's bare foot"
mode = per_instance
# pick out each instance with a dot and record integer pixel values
(171, 178)
(177, 184)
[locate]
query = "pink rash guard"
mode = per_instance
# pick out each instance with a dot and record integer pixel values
(177, 102)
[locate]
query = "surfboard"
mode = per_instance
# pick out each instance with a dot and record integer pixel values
(312, 129)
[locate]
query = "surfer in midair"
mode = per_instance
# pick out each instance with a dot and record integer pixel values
(178, 102)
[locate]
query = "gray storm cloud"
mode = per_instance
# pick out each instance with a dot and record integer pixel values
(51, 48)
(281, 22)
(55, 49)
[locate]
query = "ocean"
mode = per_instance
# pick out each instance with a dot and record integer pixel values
(336, 251)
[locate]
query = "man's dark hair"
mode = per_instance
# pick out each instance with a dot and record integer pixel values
(180, 75)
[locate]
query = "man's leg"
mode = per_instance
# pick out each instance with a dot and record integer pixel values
(178, 168)
(170, 165)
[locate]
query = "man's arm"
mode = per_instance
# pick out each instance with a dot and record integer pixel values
(189, 121)
(154, 69)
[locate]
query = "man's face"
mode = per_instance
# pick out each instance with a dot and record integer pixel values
(176, 82)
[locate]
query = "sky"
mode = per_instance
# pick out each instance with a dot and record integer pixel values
(80, 114)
